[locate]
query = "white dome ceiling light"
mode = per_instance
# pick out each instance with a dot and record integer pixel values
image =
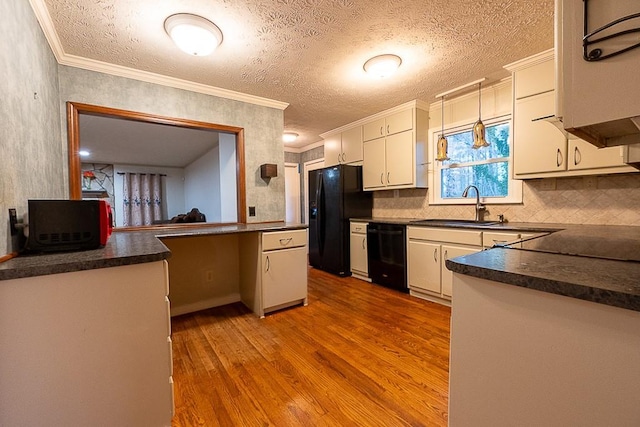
(193, 34)
(382, 66)
(289, 136)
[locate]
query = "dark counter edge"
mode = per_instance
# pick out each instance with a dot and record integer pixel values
(123, 248)
(599, 295)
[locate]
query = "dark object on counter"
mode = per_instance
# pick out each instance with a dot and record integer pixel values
(194, 215)
(335, 195)
(68, 225)
(387, 255)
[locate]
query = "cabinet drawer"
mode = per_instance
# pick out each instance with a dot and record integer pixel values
(491, 238)
(283, 239)
(359, 227)
(448, 235)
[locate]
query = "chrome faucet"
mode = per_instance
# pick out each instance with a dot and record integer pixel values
(480, 208)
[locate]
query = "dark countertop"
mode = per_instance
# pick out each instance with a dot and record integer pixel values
(505, 226)
(599, 280)
(123, 248)
(598, 263)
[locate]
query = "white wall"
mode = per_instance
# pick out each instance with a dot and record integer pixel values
(202, 185)
(228, 191)
(173, 191)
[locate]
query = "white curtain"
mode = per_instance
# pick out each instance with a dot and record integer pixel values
(142, 199)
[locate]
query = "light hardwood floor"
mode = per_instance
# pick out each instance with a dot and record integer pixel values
(358, 354)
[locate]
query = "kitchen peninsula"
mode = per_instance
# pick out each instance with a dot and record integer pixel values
(86, 335)
(548, 334)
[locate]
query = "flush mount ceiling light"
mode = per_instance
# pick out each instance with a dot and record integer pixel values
(193, 34)
(382, 65)
(289, 136)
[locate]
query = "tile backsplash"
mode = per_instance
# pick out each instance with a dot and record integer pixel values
(610, 199)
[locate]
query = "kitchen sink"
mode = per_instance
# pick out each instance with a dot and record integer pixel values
(454, 222)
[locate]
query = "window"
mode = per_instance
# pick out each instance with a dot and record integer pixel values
(488, 168)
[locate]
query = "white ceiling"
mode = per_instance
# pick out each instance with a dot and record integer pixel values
(309, 53)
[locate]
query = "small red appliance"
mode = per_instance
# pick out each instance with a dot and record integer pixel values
(68, 225)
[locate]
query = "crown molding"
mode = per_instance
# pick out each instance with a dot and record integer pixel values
(531, 60)
(43, 17)
(304, 148)
(417, 103)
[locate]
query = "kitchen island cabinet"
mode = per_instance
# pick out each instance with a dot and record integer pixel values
(542, 336)
(85, 336)
(87, 347)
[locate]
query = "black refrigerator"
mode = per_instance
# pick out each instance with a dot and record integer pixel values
(335, 195)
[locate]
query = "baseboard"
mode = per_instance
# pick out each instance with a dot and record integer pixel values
(432, 298)
(203, 305)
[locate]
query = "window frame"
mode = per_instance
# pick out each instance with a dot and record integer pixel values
(514, 195)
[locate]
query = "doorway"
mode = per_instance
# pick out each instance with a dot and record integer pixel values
(292, 192)
(309, 166)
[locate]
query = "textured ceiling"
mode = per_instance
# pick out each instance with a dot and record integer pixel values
(309, 53)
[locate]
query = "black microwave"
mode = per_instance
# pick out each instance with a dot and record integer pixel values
(67, 225)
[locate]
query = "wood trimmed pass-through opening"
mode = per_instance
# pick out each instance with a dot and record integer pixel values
(74, 110)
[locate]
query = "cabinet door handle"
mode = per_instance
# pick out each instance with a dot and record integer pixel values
(382, 178)
(446, 254)
(558, 158)
(387, 129)
(435, 255)
(363, 243)
(268, 264)
(577, 156)
(338, 157)
(381, 130)
(388, 175)
(344, 156)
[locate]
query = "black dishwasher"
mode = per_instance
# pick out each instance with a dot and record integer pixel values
(387, 255)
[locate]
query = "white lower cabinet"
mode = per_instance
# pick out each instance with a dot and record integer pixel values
(452, 251)
(284, 269)
(284, 276)
(427, 250)
(358, 250)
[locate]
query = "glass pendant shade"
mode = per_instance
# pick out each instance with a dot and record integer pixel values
(479, 140)
(442, 149)
(443, 145)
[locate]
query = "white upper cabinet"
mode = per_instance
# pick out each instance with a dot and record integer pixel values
(541, 148)
(395, 148)
(352, 145)
(394, 123)
(343, 147)
(598, 99)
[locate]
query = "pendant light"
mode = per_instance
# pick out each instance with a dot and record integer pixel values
(479, 140)
(442, 141)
